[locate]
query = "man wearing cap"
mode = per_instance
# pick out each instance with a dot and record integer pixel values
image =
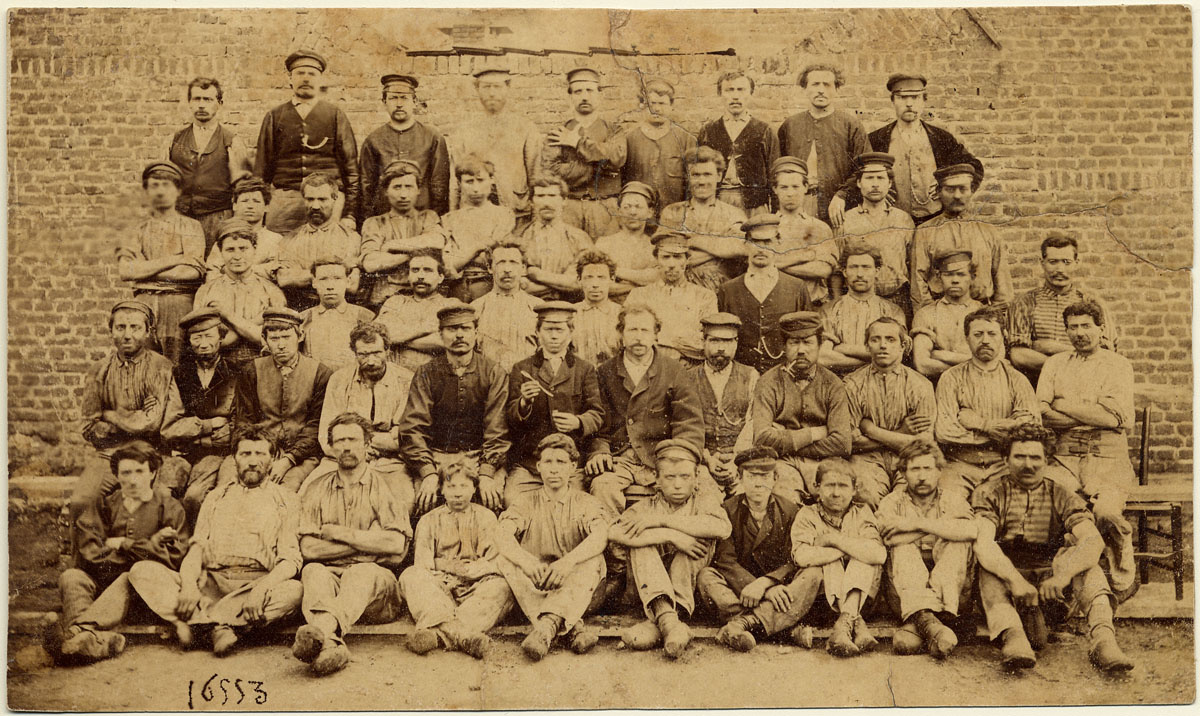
(588, 153)
(800, 409)
(670, 538)
(595, 336)
(411, 321)
(550, 243)
(654, 148)
(210, 159)
(717, 253)
(506, 139)
(305, 136)
(1035, 328)
(647, 397)
(750, 581)
(726, 390)
(891, 405)
(251, 196)
(807, 248)
(880, 224)
(237, 293)
(506, 322)
(200, 424)
(630, 245)
(844, 344)
(681, 302)
(125, 398)
(991, 280)
(761, 296)
(389, 239)
(551, 391)
(282, 394)
(164, 257)
(403, 137)
(938, 338)
(455, 413)
(827, 139)
(919, 149)
(747, 143)
(318, 237)
(978, 402)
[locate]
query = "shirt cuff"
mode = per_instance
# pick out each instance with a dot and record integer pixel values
(427, 470)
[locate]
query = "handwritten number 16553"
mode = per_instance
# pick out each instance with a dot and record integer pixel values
(209, 691)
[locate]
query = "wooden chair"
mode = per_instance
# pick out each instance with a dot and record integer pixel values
(1147, 501)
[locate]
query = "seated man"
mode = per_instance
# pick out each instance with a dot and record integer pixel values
(131, 526)
(843, 345)
(240, 570)
(320, 235)
(282, 393)
(250, 199)
(938, 338)
(550, 244)
(1086, 395)
(455, 413)
(630, 246)
(890, 406)
(673, 295)
(558, 566)
(595, 336)
(1038, 547)
(978, 402)
(389, 239)
(474, 227)
(806, 242)
(836, 543)
(411, 320)
(353, 533)
(670, 538)
(750, 581)
(328, 324)
(800, 409)
(552, 391)
(454, 588)
(928, 534)
(506, 322)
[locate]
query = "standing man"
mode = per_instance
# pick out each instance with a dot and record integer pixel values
(978, 402)
(938, 339)
(827, 139)
(455, 413)
(588, 153)
(596, 338)
(747, 144)
(918, 147)
(654, 148)
(954, 228)
(305, 136)
(761, 296)
(844, 347)
(504, 138)
(882, 225)
(551, 244)
(164, 257)
(674, 296)
(320, 236)
(211, 159)
(353, 534)
(404, 138)
(507, 324)
(389, 239)
(411, 321)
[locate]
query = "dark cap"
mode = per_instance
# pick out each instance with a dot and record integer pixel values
(720, 320)
(943, 173)
(166, 167)
(903, 82)
(304, 58)
(234, 226)
(393, 168)
(761, 457)
(555, 310)
(409, 80)
(789, 164)
(669, 240)
(676, 449)
(491, 71)
(200, 319)
(637, 187)
(456, 313)
(871, 158)
(949, 255)
(755, 226)
(281, 316)
(134, 306)
(582, 74)
(800, 324)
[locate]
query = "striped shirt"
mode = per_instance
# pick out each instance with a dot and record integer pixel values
(1032, 522)
(159, 237)
(138, 389)
(991, 280)
(595, 335)
(1104, 378)
(886, 396)
(1037, 314)
(890, 231)
(846, 319)
(942, 321)
(996, 394)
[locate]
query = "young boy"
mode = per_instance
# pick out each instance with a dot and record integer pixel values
(327, 325)
(472, 229)
(454, 588)
(557, 567)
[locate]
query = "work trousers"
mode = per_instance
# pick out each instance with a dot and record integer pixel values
(569, 601)
(435, 598)
(1089, 594)
(724, 594)
(661, 571)
(935, 580)
(364, 592)
(223, 594)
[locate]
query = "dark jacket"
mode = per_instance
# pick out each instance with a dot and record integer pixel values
(947, 150)
(98, 522)
(207, 184)
(290, 412)
(182, 427)
(741, 558)
(576, 390)
(760, 339)
(754, 151)
(291, 148)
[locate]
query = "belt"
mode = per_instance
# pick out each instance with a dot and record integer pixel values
(1090, 442)
(977, 456)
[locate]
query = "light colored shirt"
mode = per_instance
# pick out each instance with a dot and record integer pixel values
(249, 527)
(719, 379)
(507, 326)
(636, 371)
(913, 170)
(944, 506)
(942, 322)
(247, 296)
(363, 502)
(812, 521)
(381, 402)
(679, 308)
(407, 316)
(991, 280)
(158, 237)
(888, 396)
(470, 227)
(550, 527)
(465, 536)
(760, 282)
(595, 336)
(554, 246)
(265, 259)
(996, 394)
(889, 230)
(628, 250)
(327, 332)
(299, 249)
(511, 142)
(846, 319)
(1104, 378)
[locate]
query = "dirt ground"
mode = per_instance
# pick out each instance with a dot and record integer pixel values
(384, 675)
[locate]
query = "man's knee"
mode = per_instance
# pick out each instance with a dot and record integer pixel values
(75, 579)
(287, 593)
(314, 571)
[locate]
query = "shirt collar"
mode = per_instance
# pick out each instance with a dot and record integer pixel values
(1048, 289)
(342, 308)
(896, 368)
(562, 498)
(358, 478)
(289, 366)
(770, 272)
(136, 360)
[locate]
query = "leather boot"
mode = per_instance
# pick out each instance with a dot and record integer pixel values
(1016, 652)
(1106, 655)
(841, 639)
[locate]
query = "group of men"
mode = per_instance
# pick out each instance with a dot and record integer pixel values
(611, 366)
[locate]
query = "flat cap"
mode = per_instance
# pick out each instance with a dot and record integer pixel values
(583, 74)
(281, 315)
(166, 167)
(200, 319)
(755, 226)
(677, 450)
(234, 226)
(948, 255)
(669, 240)
(134, 306)
(789, 164)
(555, 310)
(637, 187)
(903, 82)
(800, 324)
(401, 166)
(491, 71)
(761, 457)
(304, 58)
(409, 80)
(456, 313)
(943, 173)
(872, 158)
(721, 319)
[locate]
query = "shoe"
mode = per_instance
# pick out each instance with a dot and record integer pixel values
(537, 644)
(676, 635)
(802, 636)
(223, 640)
(1033, 621)
(735, 635)
(472, 643)
(642, 636)
(183, 634)
(333, 658)
(422, 641)
(307, 645)
(1016, 652)
(863, 638)
(583, 638)
(940, 638)
(88, 645)
(1107, 656)
(841, 642)
(907, 641)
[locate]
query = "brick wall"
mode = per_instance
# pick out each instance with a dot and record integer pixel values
(1081, 115)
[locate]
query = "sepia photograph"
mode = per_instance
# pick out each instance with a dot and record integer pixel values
(544, 359)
